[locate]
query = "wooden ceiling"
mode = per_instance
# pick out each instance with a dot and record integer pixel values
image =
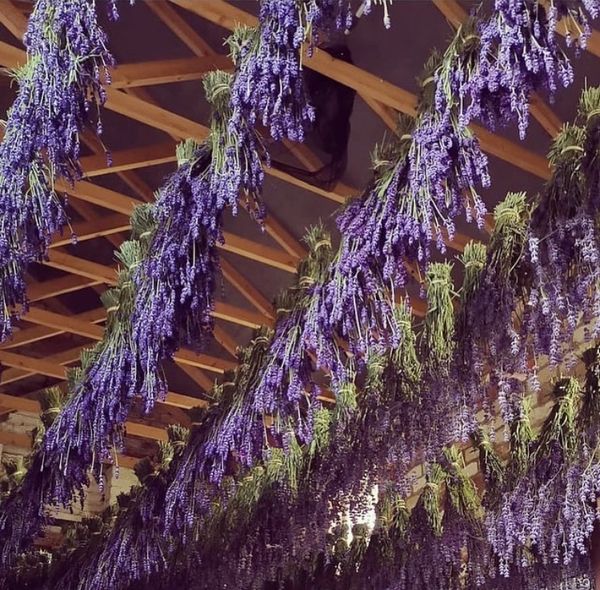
(65, 314)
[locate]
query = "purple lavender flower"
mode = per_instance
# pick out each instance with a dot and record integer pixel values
(60, 93)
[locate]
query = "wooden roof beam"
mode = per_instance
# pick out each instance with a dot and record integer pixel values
(129, 159)
(167, 71)
(60, 286)
(41, 331)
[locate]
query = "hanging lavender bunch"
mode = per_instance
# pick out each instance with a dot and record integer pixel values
(382, 563)
(519, 54)
(269, 85)
(285, 388)
(467, 367)
(530, 514)
(488, 330)
(60, 93)
(233, 433)
(275, 379)
(88, 430)
(175, 282)
(237, 151)
(562, 244)
(27, 490)
(318, 335)
(430, 175)
(135, 548)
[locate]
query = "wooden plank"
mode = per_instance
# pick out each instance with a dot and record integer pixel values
(13, 19)
(120, 203)
(283, 237)
(95, 228)
(129, 159)
(247, 289)
(48, 329)
(259, 252)
(224, 311)
(60, 286)
(85, 268)
(18, 361)
(167, 71)
(62, 358)
(165, 12)
(71, 324)
(56, 371)
(225, 340)
(154, 116)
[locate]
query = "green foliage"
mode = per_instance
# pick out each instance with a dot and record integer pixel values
(438, 332)
(508, 240)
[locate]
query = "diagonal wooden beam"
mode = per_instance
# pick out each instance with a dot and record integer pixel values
(60, 286)
(165, 12)
(62, 358)
(167, 71)
(225, 340)
(95, 228)
(129, 159)
(42, 331)
(248, 290)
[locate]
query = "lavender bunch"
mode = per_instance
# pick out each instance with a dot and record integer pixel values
(175, 282)
(232, 434)
(423, 181)
(367, 6)
(103, 389)
(27, 488)
(134, 548)
(88, 429)
(519, 54)
(237, 151)
(530, 514)
(275, 380)
(302, 343)
(269, 85)
(564, 245)
(318, 334)
(488, 330)
(496, 62)
(60, 93)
